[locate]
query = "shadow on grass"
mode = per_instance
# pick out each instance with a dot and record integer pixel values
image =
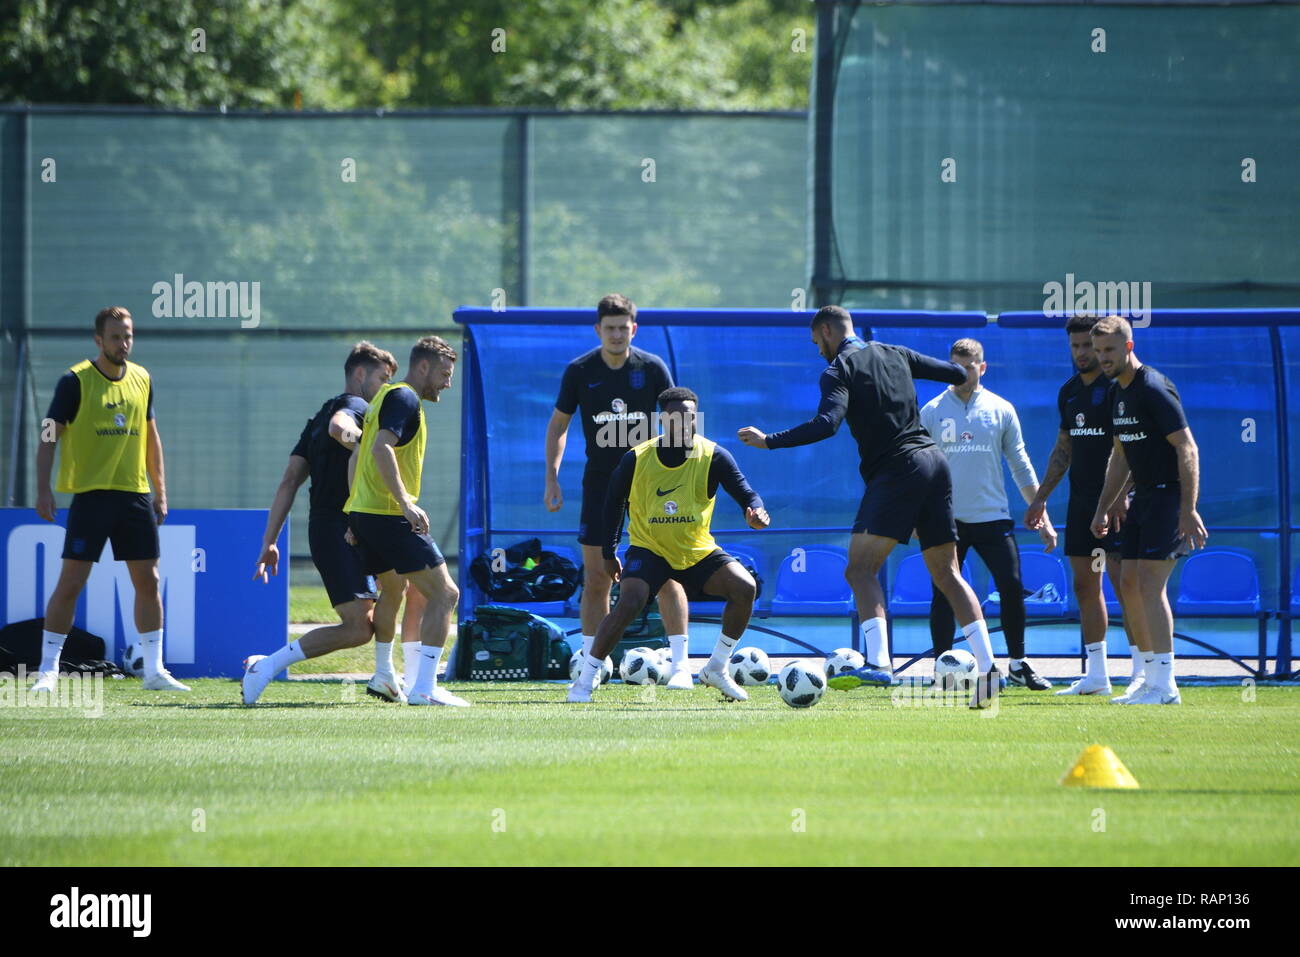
(237, 706)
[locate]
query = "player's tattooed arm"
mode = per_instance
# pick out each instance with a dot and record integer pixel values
(45, 467)
(386, 463)
(344, 429)
(1190, 527)
(1057, 465)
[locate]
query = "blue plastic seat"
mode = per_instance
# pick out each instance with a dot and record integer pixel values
(912, 590)
(1295, 592)
(1219, 582)
(1037, 568)
(818, 587)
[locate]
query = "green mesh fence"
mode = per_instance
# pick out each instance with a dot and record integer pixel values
(357, 227)
(1106, 142)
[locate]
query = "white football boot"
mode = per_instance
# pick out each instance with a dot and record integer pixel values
(679, 677)
(440, 696)
(1152, 694)
(162, 680)
(1135, 688)
(385, 687)
(1086, 685)
(720, 679)
(255, 679)
(45, 681)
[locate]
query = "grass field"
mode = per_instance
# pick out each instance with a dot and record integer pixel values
(311, 777)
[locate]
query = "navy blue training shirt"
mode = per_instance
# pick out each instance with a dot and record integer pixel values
(1142, 416)
(606, 395)
(870, 384)
(1086, 418)
(326, 458)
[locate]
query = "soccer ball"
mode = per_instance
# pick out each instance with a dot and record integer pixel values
(665, 656)
(640, 666)
(954, 669)
(606, 669)
(844, 659)
(801, 684)
(133, 659)
(749, 666)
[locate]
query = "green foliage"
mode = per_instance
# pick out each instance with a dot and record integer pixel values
(336, 54)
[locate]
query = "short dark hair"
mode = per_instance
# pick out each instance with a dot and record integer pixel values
(677, 394)
(615, 305)
(828, 314)
(432, 348)
(112, 312)
(1080, 323)
(967, 349)
(366, 353)
(1113, 326)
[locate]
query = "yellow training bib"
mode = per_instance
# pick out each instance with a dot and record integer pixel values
(669, 508)
(104, 445)
(369, 493)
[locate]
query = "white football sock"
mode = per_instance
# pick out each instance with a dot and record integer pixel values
(426, 679)
(410, 660)
(977, 636)
(290, 654)
(1015, 662)
(721, 652)
(383, 657)
(51, 648)
(1139, 662)
(590, 670)
(587, 641)
(1148, 665)
(1164, 671)
(875, 640)
(678, 644)
(1096, 659)
(152, 648)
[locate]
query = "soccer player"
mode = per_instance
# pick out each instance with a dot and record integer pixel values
(323, 450)
(668, 485)
(909, 486)
(1083, 445)
(615, 386)
(976, 429)
(1152, 442)
(103, 412)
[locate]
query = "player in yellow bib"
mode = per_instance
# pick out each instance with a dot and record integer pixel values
(391, 530)
(102, 412)
(668, 487)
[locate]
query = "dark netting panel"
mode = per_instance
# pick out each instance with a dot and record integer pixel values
(230, 410)
(1290, 363)
(246, 199)
(522, 367)
(1123, 165)
(722, 222)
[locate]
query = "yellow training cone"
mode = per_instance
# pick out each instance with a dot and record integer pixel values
(1098, 767)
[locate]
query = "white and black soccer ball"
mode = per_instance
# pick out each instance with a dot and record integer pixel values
(801, 683)
(133, 659)
(640, 666)
(749, 666)
(842, 660)
(602, 677)
(954, 669)
(665, 664)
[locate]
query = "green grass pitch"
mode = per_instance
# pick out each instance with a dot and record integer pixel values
(321, 774)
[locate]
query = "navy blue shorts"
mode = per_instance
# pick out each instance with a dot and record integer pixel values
(591, 530)
(1151, 529)
(338, 562)
(911, 491)
(1079, 540)
(388, 543)
(124, 518)
(654, 570)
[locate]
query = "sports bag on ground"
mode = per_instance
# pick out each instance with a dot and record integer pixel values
(506, 644)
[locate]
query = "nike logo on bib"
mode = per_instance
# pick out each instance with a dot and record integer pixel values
(666, 491)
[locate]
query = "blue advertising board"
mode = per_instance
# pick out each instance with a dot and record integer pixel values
(214, 613)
